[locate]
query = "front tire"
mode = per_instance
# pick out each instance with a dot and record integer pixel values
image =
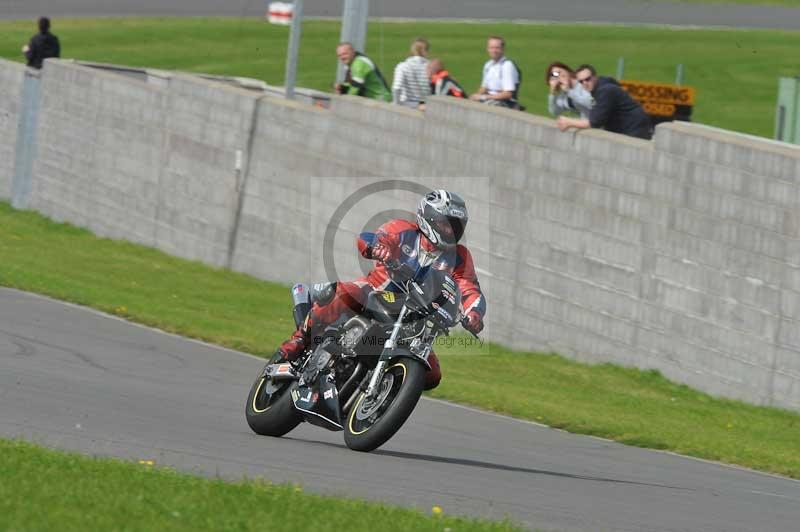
(270, 410)
(370, 424)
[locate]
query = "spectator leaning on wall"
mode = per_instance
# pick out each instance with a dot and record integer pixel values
(441, 82)
(362, 77)
(501, 77)
(614, 109)
(410, 85)
(42, 45)
(566, 94)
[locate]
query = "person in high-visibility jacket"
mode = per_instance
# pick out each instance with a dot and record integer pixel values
(363, 77)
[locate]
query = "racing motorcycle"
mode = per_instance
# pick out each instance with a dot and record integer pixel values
(366, 373)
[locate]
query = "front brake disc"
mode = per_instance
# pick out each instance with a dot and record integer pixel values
(369, 407)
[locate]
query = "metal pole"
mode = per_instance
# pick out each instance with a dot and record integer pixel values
(354, 29)
(679, 74)
(294, 47)
(620, 68)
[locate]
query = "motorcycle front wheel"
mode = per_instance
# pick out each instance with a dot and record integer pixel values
(370, 423)
(270, 410)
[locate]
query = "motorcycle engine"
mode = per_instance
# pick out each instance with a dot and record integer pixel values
(354, 330)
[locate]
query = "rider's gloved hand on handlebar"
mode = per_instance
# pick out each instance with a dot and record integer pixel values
(473, 322)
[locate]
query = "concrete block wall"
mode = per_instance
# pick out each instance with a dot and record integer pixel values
(289, 146)
(100, 142)
(207, 132)
(736, 235)
(152, 164)
(672, 255)
(12, 76)
(681, 254)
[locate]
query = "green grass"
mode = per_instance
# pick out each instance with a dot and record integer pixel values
(631, 406)
(48, 490)
(734, 71)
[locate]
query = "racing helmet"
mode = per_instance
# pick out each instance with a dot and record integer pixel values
(442, 218)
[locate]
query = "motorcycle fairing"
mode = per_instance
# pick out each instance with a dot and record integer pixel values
(384, 306)
(319, 403)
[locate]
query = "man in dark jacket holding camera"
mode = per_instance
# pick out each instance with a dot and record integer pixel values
(42, 45)
(614, 109)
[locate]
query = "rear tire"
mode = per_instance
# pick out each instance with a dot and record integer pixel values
(370, 425)
(271, 414)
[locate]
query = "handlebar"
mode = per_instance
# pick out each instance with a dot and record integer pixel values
(393, 264)
(407, 283)
(396, 266)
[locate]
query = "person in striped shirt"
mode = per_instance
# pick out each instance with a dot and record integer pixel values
(411, 85)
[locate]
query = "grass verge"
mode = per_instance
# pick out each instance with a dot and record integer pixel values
(631, 406)
(50, 490)
(735, 71)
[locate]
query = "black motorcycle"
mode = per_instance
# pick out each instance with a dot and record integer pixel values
(366, 373)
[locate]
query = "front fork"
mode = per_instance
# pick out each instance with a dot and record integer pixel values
(386, 355)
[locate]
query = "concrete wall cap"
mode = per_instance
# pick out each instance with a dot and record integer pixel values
(251, 83)
(731, 137)
(156, 73)
(6, 64)
(614, 137)
(99, 70)
(105, 66)
(491, 109)
(216, 84)
(294, 104)
(376, 104)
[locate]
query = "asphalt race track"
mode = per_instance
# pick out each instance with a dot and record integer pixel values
(609, 11)
(72, 378)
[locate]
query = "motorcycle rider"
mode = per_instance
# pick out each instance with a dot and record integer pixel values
(432, 241)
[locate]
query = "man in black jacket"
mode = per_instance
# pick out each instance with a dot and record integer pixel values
(614, 109)
(42, 45)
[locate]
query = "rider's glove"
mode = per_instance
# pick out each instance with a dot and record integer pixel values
(474, 322)
(384, 249)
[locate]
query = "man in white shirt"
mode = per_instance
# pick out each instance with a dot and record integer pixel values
(501, 78)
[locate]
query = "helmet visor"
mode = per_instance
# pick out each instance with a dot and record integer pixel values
(449, 228)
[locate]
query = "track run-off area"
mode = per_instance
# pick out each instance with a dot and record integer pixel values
(75, 379)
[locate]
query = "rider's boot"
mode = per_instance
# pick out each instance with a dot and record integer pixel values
(324, 311)
(291, 349)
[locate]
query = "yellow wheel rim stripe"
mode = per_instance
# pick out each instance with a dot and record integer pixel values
(255, 396)
(361, 398)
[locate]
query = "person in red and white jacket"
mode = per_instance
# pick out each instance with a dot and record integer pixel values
(432, 241)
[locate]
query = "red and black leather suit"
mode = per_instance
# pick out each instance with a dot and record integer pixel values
(399, 237)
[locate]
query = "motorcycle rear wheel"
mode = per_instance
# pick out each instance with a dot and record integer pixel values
(370, 424)
(271, 414)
